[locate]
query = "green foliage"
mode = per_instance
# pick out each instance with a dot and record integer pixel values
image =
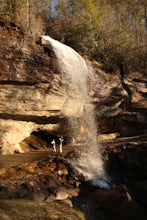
(110, 31)
(8, 6)
(11, 7)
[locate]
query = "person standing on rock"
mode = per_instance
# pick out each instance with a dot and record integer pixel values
(54, 145)
(73, 140)
(61, 144)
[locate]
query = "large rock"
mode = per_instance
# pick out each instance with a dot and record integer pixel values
(139, 191)
(13, 132)
(136, 83)
(115, 203)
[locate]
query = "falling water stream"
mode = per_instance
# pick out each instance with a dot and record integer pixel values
(76, 72)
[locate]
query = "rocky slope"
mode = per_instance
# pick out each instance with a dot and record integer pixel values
(60, 193)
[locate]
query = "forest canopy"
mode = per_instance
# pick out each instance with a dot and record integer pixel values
(112, 32)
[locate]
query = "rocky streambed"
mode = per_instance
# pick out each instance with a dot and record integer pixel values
(51, 188)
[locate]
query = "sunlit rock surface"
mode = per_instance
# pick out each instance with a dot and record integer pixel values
(137, 84)
(24, 209)
(13, 132)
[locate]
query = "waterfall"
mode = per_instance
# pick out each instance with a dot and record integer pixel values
(76, 72)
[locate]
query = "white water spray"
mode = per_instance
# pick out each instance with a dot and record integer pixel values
(75, 71)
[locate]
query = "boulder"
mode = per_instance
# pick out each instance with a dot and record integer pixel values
(139, 191)
(115, 203)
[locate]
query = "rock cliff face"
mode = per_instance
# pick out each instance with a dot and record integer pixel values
(29, 91)
(33, 93)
